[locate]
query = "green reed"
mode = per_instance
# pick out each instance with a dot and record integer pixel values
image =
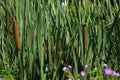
(39, 21)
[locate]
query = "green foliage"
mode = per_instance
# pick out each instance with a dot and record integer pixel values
(39, 55)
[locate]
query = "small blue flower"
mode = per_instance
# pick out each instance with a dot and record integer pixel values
(108, 71)
(69, 79)
(116, 74)
(69, 66)
(7, 65)
(86, 66)
(105, 65)
(64, 68)
(1, 79)
(82, 73)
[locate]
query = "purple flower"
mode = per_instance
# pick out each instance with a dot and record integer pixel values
(1, 79)
(69, 79)
(108, 71)
(105, 65)
(7, 65)
(115, 74)
(64, 68)
(69, 66)
(82, 73)
(86, 66)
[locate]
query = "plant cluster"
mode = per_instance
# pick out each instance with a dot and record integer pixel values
(55, 39)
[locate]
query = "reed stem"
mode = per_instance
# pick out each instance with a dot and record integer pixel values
(16, 32)
(84, 38)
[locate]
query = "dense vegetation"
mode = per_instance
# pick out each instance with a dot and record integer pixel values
(59, 39)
